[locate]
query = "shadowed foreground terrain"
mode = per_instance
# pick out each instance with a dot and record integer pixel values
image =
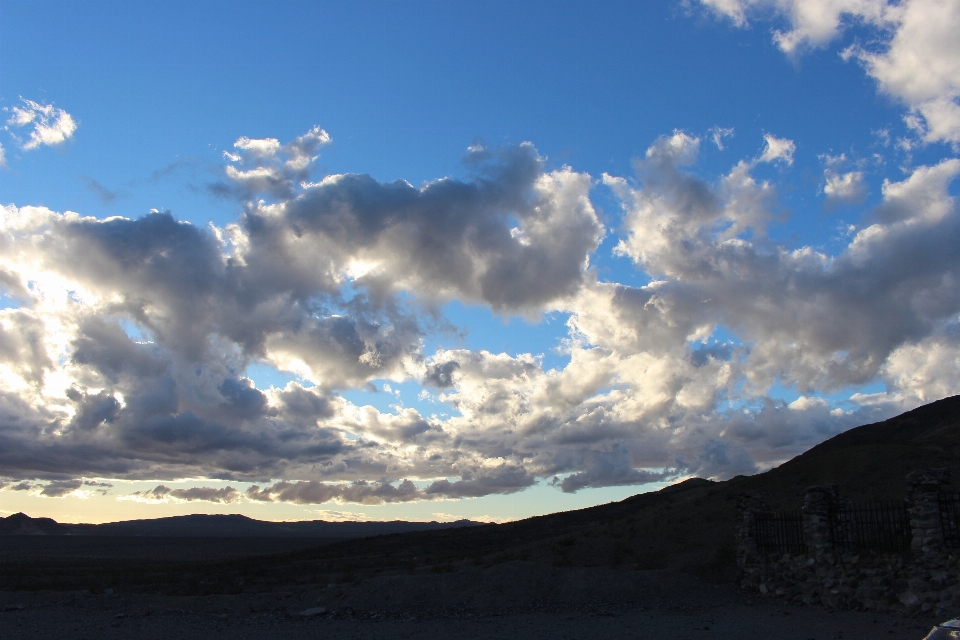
(655, 565)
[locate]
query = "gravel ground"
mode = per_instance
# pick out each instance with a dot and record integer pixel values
(514, 600)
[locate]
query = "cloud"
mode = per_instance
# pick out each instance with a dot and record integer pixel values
(50, 126)
(59, 488)
(129, 352)
(266, 166)
(784, 302)
(928, 369)
(340, 516)
(161, 493)
(512, 237)
(913, 56)
(778, 149)
(363, 492)
(611, 469)
(717, 134)
(921, 66)
(3, 157)
(105, 195)
(844, 187)
(813, 23)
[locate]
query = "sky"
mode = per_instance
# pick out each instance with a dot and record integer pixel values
(487, 260)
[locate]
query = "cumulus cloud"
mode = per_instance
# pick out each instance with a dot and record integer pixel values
(915, 57)
(842, 187)
(266, 166)
(128, 355)
(778, 150)
(921, 66)
(49, 126)
(812, 23)
(928, 369)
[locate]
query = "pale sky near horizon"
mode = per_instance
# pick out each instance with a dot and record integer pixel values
(433, 260)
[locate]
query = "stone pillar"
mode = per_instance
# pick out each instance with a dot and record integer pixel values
(924, 510)
(818, 503)
(749, 561)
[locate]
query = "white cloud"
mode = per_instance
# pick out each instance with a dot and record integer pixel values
(813, 23)
(915, 57)
(717, 134)
(50, 125)
(921, 66)
(840, 186)
(266, 166)
(127, 357)
(778, 149)
(926, 370)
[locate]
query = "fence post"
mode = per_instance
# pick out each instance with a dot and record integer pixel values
(749, 561)
(818, 504)
(925, 527)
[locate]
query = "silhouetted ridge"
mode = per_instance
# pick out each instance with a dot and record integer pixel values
(233, 525)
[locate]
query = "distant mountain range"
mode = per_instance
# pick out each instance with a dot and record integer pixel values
(218, 526)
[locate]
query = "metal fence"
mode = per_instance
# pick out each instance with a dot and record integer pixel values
(883, 527)
(880, 526)
(949, 509)
(779, 532)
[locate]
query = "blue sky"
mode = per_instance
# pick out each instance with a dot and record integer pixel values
(527, 256)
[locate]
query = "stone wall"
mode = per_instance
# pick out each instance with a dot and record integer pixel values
(923, 579)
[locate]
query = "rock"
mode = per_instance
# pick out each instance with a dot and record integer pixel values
(909, 599)
(313, 611)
